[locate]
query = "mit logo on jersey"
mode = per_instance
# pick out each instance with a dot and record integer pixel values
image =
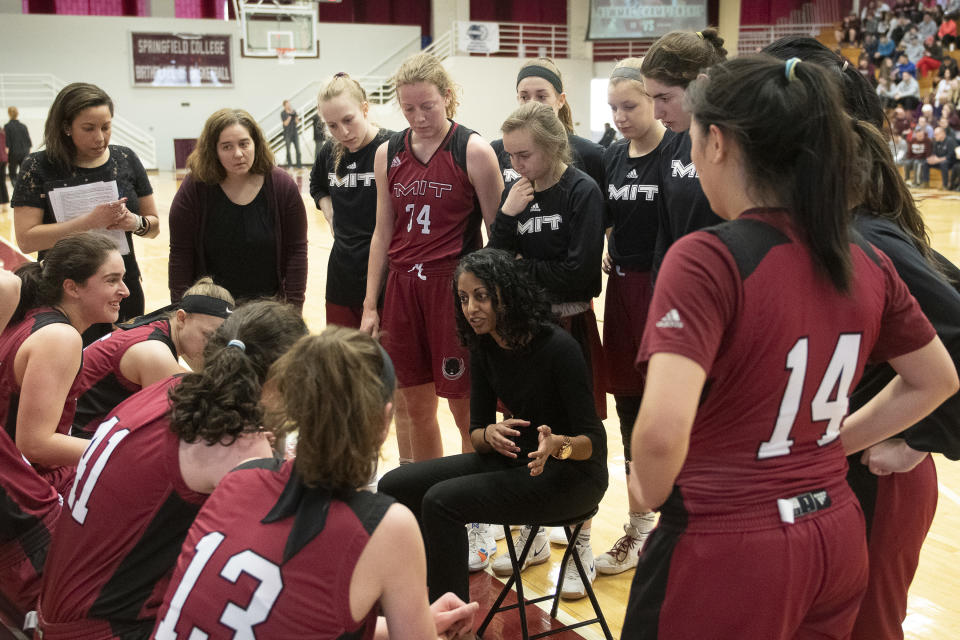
(633, 191)
(681, 170)
(351, 179)
(421, 188)
(536, 224)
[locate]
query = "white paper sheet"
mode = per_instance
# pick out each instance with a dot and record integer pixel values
(71, 202)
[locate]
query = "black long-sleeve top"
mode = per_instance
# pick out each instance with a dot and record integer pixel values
(559, 237)
(683, 206)
(940, 431)
(585, 155)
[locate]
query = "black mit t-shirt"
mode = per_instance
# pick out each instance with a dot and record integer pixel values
(584, 154)
(354, 194)
(546, 383)
(632, 195)
(683, 206)
(240, 246)
(559, 235)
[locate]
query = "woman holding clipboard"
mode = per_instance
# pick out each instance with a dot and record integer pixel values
(81, 182)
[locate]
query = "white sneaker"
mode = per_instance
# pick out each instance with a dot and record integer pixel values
(626, 551)
(573, 588)
(558, 537)
(539, 552)
(481, 546)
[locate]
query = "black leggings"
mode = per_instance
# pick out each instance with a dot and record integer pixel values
(627, 409)
(447, 493)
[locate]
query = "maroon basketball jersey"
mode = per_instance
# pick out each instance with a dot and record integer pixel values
(782, 349)
(102, 386)
(10, 341)
(126, 516)
(297, 547)
(436, 211)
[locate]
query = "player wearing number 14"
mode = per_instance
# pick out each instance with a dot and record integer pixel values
(436, 181)
(758, 329)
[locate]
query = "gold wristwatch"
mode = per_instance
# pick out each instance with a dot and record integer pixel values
(566, 448)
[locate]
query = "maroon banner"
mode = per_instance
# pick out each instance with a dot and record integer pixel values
(181, 60)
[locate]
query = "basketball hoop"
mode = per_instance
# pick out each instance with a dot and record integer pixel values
(285, 55)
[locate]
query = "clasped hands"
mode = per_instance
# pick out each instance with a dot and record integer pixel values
(114, 216)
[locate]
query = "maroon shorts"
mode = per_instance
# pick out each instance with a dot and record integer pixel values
(901, 517)
(583, 328)
(748, 579)
(419, 331)
(624, 317)
(344, 316)
(21, 569)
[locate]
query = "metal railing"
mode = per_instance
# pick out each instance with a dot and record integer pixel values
(755, 37)
(516, 40)
(376, 83)
(38, 90)
(619, 49)
(528, 40)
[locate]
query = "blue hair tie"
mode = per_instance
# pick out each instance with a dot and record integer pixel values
(238, 344)
(790, 67)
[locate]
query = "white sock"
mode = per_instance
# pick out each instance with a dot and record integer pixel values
(584, 537)
(641, 522)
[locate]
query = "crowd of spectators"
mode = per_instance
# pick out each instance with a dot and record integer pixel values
(906, 45)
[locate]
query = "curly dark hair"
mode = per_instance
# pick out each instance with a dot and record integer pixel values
(521, 306)
(222, 401)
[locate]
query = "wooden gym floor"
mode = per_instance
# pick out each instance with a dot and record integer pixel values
(934, 606)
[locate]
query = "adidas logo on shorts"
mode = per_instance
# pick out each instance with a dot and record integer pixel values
(396, 162)
(671, 320)
(632, 174)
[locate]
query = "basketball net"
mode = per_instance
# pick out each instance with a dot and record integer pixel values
(285, 55)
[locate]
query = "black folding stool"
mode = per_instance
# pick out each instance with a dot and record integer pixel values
(522, 603)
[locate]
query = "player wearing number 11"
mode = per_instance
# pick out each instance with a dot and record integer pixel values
(758, 330)
(145, 475)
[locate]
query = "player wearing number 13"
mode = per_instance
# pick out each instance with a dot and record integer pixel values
(145, 475)
(320, 557)
(758, 330)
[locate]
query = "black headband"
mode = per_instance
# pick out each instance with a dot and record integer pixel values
(627, 72)
(207, 305)
(388, 376)
(537, 71)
